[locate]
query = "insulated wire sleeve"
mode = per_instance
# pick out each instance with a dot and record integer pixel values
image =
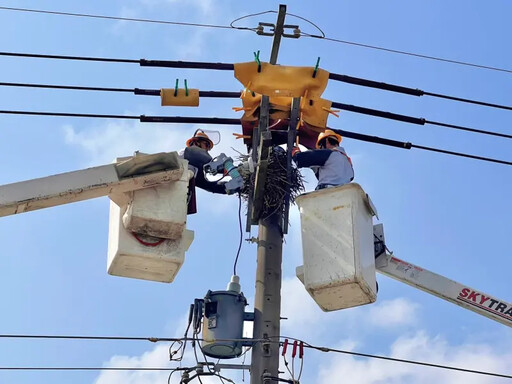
(227, 121)
(228, 66)
(227, 94)
(322, 36)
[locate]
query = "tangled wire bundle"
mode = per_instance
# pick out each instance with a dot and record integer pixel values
(276, 183)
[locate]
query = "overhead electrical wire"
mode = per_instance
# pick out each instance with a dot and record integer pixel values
(229, 121)
(227, 94)
(118, 18)
(306, 345)
(418, 55)
(322, 36)
(414, 362)
(230, 67)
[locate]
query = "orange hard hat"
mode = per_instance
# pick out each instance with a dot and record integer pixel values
(328, 133)
(200, 136)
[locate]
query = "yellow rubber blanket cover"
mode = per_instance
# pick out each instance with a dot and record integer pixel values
(181, 99)
(251, 103)
(280, 80)
(314, 110)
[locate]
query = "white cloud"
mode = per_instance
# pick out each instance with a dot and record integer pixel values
(105, 142)
(158, 357)
(304, 314)
(420, 347)
(301, 311)
(102, 144)
(393, 313)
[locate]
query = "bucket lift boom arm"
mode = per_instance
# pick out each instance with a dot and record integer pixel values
(440, 286)
(129, 174)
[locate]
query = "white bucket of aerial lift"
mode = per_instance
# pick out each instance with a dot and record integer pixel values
(337, 244)
(159, 211)
(127, 257)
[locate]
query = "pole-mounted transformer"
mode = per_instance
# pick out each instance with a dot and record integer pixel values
(223, 315)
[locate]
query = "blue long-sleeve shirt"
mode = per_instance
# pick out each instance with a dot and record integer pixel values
(197, 158)
(334, 166)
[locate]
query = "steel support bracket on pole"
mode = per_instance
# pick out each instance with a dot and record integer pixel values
(261, 175)
(292, 134)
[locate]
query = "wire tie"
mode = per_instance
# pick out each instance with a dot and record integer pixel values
(176, 88)
(316, 67)
(257, 59)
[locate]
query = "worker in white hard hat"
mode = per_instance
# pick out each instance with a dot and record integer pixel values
(330, 162)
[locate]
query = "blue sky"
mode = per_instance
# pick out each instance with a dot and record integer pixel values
(450, 215)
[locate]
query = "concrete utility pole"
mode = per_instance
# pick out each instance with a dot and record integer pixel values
(267, 302)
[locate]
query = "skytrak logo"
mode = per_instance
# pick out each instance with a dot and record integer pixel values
(487, 303)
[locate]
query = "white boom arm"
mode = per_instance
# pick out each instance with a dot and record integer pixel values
(133, 173)
(440, 286)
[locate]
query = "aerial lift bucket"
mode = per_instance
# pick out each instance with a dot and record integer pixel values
(338, 247)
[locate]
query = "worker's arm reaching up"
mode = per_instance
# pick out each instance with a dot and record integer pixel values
(197, 158)
(312, 158)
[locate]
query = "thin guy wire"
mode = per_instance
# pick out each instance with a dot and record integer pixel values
(246, 17)
(115, 18)
(310, 22)
(396, 51)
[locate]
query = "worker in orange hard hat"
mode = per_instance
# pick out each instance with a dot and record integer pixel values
(330, 162)
(200, 139)
(196, 152)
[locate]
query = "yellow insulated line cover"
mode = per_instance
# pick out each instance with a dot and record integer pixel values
(181, 99)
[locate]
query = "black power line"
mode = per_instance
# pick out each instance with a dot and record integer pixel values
(226, 94)
(322, 36)
(229, 67)
(413, 120)
(228, 121)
